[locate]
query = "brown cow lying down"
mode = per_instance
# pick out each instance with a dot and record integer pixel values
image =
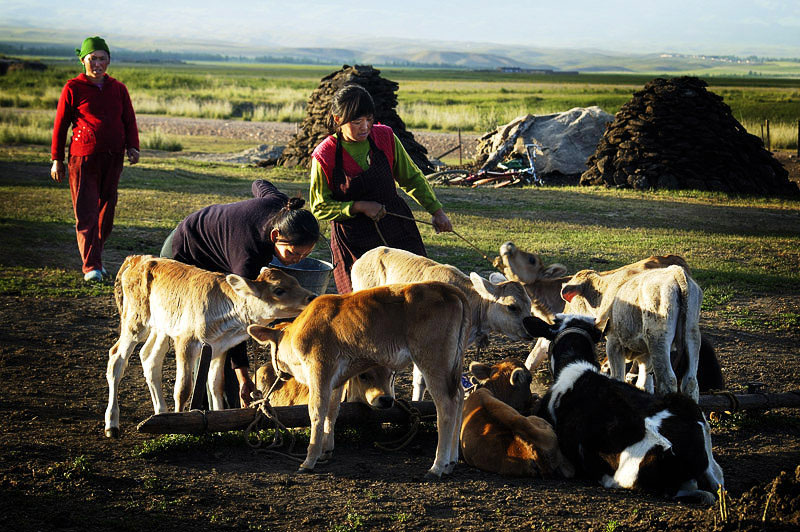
(339, 336)
(545, 292)
(159, 299)
(496, 436)
(374, 387)
(501, 307)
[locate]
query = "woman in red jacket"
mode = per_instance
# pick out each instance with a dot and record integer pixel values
(99, 110)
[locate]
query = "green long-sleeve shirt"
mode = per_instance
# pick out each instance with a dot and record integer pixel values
(405, 172)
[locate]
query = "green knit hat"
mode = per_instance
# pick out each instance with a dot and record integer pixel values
(90, 44)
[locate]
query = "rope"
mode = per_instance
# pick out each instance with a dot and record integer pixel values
(734, 401)
(411, 218)
(414, 418)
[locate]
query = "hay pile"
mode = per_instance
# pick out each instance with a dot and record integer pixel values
(314, 127)
(675, 134)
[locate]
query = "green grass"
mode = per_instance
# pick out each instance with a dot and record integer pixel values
(737, 247)
(428, 98)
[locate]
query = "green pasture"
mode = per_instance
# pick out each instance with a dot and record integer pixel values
(739, 247)
(428, 99)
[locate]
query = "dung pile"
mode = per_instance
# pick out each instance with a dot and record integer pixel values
(314, 127)
(675, 134)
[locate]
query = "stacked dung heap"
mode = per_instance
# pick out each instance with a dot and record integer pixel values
(314, 128)
(675, 134)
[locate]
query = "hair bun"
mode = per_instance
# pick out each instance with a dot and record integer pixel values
(295, 203)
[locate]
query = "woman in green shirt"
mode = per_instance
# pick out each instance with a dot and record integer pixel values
(353, 175)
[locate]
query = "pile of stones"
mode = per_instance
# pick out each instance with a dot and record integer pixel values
(314, 127)
(675, 134)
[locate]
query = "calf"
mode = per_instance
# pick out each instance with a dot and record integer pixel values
(497, 436)
(544, 287)
(374, 387)
(339, 336)
(493, 307)
(159, 299)
(617, 434)
(648, 316)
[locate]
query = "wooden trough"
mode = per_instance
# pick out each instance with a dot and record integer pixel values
(198, 422)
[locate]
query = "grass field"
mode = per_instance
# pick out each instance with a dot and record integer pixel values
(737, 247)
(428, 99)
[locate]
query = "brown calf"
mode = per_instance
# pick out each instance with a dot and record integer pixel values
(339, 336)
(496, 435)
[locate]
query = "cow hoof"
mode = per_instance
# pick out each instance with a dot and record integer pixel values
(304, 470)
(113, 432)
(430, 477)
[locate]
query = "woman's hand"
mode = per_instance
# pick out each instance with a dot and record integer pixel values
(57, 171)
(246, 386)
(370, 209)
(441, 222)
(133, 155)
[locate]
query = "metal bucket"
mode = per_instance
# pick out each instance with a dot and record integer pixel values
(312, 274)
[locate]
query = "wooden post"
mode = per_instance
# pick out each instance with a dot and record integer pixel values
(198, 422)
(798, 138)
(763, 140)
(769, 143)
(459, 147)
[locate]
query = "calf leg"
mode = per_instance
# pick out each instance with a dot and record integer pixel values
(330, 421)
(187, 353)
(152, 356)
(418, 385)
(448, 398)
(319, 398)
(216, 382)
(664, 377)
(538, 354)
(616, 358)
(689, 384)
(118, 357)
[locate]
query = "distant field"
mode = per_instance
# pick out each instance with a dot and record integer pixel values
(428, 99)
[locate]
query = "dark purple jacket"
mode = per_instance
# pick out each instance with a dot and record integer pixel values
(232, 237)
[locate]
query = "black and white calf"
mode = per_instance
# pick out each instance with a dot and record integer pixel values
(617, 434)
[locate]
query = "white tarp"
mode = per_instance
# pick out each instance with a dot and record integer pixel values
(568, 139)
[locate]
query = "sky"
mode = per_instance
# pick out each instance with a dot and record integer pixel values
(761, 27)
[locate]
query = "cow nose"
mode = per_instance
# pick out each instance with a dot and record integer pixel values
(384, 402)
(310, 298)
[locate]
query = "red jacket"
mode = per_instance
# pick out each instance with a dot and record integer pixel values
(102, 118)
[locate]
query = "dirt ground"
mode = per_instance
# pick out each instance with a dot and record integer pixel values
(59, 472)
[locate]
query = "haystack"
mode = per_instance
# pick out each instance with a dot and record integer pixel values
(314, 127)
(676, 134)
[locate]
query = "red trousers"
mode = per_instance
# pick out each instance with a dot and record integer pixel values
(93, 181)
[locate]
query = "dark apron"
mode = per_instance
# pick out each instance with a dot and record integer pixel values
(353, 237)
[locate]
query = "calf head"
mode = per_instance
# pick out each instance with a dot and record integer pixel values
(505, 306)
(509, 381)
(274, 294)
(525, 267)
(572, 338)
(271, 337)
(374, 386)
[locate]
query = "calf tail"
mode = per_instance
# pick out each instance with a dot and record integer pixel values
(463, 336)
(119, 292)
(683, 316)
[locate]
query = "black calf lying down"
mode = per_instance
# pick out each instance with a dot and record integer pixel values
(620, 435)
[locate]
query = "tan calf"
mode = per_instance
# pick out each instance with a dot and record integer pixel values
(645, 318)
(159, 299)
(496, 433)
(500, 308)
(339, 336)
(374, 387)
(543, 285)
